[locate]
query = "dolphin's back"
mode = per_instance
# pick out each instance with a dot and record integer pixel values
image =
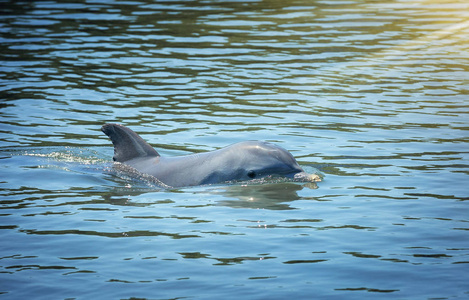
(127, 144)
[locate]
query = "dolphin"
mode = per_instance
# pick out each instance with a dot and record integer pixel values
(238, 162)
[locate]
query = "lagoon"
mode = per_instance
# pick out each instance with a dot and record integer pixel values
(372, 95)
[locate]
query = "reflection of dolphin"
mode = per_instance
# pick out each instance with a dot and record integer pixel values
(241, 161)
(270, 196)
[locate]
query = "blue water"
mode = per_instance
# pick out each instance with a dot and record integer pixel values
(371, 94)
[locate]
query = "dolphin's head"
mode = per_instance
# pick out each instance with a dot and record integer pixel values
(254, 160)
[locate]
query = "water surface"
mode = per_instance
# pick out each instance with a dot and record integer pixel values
(372, 94)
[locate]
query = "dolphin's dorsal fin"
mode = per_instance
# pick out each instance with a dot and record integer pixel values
(127, 144)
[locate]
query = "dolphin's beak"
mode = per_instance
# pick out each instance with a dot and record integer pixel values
(307, 177)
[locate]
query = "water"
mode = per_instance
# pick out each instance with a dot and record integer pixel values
(372, 94)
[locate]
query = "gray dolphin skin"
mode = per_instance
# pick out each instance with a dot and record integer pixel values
(239, 162)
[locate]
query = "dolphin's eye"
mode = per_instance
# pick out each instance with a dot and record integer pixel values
(252, 174)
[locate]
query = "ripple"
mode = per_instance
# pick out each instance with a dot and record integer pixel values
(372, 94)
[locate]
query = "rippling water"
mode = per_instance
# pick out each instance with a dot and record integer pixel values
(373, 94)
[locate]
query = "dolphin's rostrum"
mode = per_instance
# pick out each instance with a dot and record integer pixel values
(238, 162)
